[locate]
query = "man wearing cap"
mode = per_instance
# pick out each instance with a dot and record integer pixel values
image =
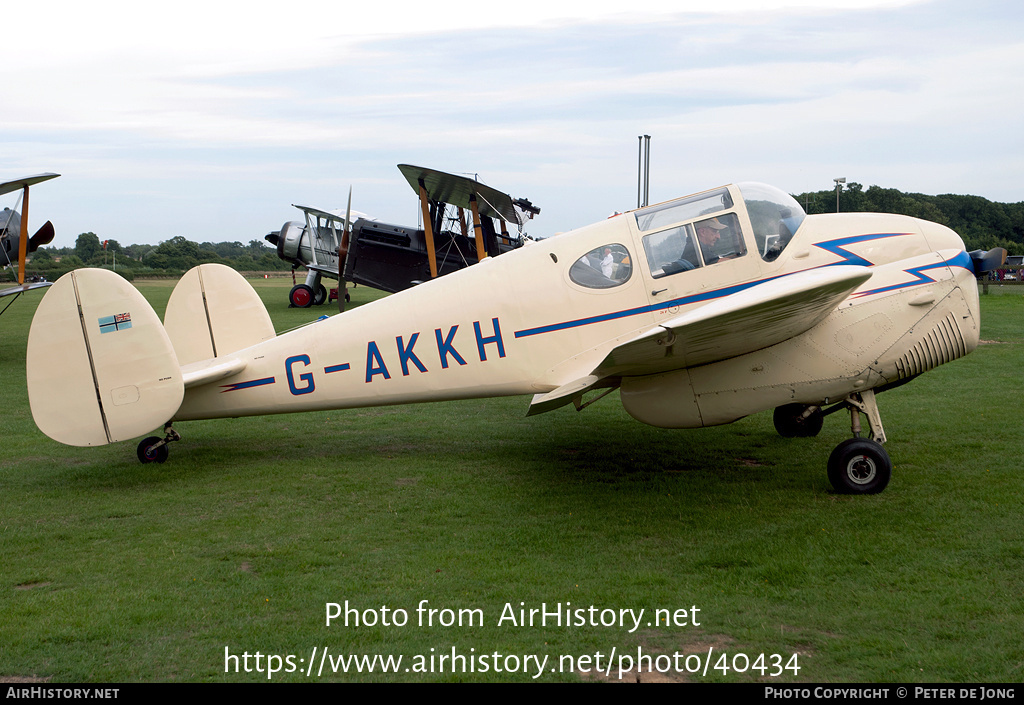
(708, 232)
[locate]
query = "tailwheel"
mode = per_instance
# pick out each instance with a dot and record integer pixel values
(154, 448)
(859, 466)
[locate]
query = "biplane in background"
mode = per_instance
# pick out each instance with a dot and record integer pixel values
(15, 245)
(352, 247)
(700, 311)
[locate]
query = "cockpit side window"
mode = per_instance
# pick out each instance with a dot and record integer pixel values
(720, 238)
(693, 245)
(671, 251)
(604, 267)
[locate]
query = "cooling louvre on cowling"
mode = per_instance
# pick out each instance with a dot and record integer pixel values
(942, 344)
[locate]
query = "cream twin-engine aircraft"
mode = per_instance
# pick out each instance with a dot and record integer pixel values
(700, 311)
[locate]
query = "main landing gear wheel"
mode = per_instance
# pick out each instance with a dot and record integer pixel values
(320, 295)
(152, 450)
(859, 466)
(301, 296)
(798, 420)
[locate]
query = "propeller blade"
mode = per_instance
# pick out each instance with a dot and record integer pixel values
(987, 260)
(43, 236)
(343, 255)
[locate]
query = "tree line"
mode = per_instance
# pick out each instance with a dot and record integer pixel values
(983, 224)
(169, 258)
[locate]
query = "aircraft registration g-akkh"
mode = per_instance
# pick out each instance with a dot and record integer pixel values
(700, 311)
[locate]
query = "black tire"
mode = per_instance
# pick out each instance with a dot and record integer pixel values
(789, 424)
(320, 295)
(859, 466)
(301, 296)
(148, 453)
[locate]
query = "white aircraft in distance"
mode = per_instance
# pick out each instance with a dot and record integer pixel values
(350, 246)
(700, 311)
(15, 245)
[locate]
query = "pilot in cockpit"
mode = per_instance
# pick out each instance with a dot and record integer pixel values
(709, 232)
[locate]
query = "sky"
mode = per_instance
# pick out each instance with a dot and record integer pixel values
(209, 119)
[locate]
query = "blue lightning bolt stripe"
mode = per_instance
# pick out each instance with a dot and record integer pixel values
(919, 277)
(247, 385)
(835, 247)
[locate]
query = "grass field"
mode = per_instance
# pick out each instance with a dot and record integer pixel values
(115, 571)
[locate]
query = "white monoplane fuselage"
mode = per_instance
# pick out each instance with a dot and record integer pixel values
(541, 317)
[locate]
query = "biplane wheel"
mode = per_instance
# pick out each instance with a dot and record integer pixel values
(348, 297)
(301, 296)
(789, 421)
(148, 451)
(320, 296)
(859, 466)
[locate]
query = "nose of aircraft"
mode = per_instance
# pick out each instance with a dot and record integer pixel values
(940, 237)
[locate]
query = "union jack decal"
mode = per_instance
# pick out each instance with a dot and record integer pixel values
(112, 324)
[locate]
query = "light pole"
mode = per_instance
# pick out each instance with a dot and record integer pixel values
(839, 187)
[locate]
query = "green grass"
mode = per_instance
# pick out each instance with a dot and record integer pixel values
(115, 571)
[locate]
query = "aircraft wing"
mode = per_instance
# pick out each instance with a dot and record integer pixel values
(751, 319)
(336, 217)
(8, 186)
(22, 288)
(456, 190)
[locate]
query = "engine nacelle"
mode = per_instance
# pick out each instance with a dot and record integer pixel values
(290, 243)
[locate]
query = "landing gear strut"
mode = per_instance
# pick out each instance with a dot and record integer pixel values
(861, 465)
(154, 448)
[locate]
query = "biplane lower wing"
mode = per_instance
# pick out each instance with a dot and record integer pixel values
(752, 319)
(22, 288)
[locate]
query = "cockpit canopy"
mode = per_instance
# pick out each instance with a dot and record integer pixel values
(774, 215)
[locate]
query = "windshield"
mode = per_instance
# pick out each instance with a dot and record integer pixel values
(774, 215)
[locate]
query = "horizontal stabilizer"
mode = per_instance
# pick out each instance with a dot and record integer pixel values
(214, 311)
(199, 373)
(100, 367)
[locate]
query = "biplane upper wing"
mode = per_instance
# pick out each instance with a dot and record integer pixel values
(751, 319)
(457, 190)
(316, 212)
(9, 186)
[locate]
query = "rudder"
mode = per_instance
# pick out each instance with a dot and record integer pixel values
(100, 367)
